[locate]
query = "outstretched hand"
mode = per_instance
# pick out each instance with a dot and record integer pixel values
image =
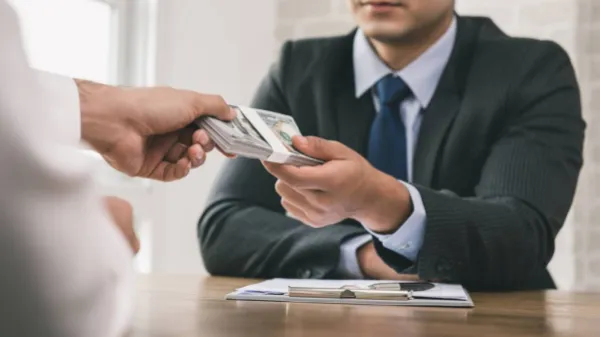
(346, 186)
(148, 132)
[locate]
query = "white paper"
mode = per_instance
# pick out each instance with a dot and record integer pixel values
(439, 291)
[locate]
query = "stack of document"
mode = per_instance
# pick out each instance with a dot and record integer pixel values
(258, 134)
(356, 292)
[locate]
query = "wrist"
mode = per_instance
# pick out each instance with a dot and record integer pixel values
(388, 205)
(100, 120)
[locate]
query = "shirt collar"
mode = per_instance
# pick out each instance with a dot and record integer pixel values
(421, 75)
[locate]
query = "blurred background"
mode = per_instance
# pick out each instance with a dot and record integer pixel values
(226, 47)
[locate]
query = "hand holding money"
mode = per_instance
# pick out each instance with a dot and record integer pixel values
(258, 134)
(347, 186)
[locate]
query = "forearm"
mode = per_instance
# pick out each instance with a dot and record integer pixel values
(473, 241)
(251, 241)
(484, 243)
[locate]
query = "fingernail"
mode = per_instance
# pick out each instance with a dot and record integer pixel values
(200, 156)
(204, 140)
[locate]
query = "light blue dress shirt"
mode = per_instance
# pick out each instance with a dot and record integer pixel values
(422, 76)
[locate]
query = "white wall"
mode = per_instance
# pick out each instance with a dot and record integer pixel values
(210, 46)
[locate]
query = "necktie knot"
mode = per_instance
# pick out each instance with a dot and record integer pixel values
(392, 90)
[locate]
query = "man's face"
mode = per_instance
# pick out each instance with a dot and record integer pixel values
(399, 20)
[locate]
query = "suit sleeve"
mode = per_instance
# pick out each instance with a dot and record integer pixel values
(504, 236)
(244, 230)
(66, 269)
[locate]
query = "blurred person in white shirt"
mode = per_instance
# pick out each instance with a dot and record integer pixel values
(65, 252)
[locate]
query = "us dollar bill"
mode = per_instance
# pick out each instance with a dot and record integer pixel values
(259, 134)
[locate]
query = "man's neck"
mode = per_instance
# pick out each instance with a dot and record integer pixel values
(400, 54)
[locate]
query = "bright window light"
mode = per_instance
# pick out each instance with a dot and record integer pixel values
(68, 37)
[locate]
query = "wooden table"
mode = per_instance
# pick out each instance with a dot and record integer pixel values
(194, 306)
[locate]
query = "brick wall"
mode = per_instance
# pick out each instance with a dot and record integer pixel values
(575, 25)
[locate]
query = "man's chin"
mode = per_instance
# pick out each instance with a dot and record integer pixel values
(386, 36)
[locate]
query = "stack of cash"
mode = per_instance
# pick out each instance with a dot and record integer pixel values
(258, 134)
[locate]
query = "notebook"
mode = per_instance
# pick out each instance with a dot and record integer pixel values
(365, 292)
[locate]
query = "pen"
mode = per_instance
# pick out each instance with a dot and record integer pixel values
(409, 286)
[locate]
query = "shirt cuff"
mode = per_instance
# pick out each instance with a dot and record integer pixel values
(348, 265)
(408, 239)
(61, 99)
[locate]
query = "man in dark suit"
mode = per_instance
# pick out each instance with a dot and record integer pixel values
(453, 153)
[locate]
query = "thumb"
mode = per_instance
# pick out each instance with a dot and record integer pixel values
(320, 148)
(212, 105)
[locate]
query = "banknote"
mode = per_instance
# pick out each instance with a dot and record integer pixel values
(284, 127)
(259, 134)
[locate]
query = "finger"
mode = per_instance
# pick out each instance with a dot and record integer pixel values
(405, 277)
(186, 135)
(297, 199)
(300, 214)
(156, 151)
(196, 155)
(209, 147)
(161, 170)
(201, 137)
(295, 212)
(166, 172)
(176, 152)
(212, 105)
(299, 177)
(181, 169)
(288, 193)
(321, 148)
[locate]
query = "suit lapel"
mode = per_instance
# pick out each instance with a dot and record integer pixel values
(445, 104)
(352, 117)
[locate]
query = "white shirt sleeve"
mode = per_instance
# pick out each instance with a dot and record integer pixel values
(61, 100)
(66, 269)
(408, 239)
(348, 266)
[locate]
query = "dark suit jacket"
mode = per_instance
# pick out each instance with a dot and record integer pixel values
(497, 162)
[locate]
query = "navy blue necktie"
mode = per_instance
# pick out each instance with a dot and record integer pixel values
(387, 140)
